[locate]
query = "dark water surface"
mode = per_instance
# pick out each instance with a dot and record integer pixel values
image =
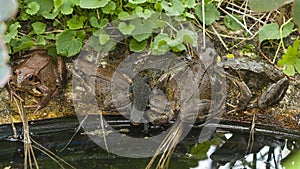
(227, 147)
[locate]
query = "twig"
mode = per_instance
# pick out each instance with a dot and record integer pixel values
(103, 132)
(223, 43)
(50, 154)
(237, 21)
(77, 130)
(244, 14)
(203, 24)
(251, 136)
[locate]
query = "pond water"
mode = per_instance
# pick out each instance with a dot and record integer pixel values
(227, 148)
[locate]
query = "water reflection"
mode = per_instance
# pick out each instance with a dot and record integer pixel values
(262, 156)
(226, 148)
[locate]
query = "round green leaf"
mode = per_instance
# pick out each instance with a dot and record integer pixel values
(178, 48)
(287, 29)
(137, 1)
(231, 23)
(188, 36)
(142, 26)
(57, 3)
(141, 37)
(176, 45)
(143, 14)
(103, 38)
(126, 29)
(211, 13)
(50, 36)
(94, 22)
(136, 46)
(109, 8)
(269, 31)
(32, 8)
(48, 15)
(126, 16)
(158, 7)
(92, 4)
(76, 22)
(38, 27)
(23, 16)
(103, 23)
(66, 7)
(45, 5)
(12, 32)
(41, 40)
(160, 44)
(25, 42)
(272, 31)
(69, 42)
(175, 8)
(190, 3)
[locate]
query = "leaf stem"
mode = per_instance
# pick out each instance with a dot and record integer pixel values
(281, 39)
(280, 30)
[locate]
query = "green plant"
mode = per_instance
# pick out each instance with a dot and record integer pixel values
(211, 13)
(291, 59)
(7, 9)
(52, 23)
(231, 23)
(273, 31)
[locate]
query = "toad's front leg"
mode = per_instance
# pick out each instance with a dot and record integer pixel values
(245, 94)
(47, 95)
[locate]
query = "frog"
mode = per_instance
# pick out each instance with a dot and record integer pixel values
(37, 74)
(149, 103)
(160, 110)
(141, 91)
(237, 146)
(251, 76)
(162, 104)
(243, 73)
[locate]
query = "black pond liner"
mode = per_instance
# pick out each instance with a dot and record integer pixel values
(82, 152)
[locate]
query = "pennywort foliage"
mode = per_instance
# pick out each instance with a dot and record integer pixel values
(64, 25)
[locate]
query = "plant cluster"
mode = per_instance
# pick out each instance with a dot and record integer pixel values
(61, 26)
(290, 61)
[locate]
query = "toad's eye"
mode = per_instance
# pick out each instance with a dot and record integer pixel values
(30, 78)
(33, 78)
